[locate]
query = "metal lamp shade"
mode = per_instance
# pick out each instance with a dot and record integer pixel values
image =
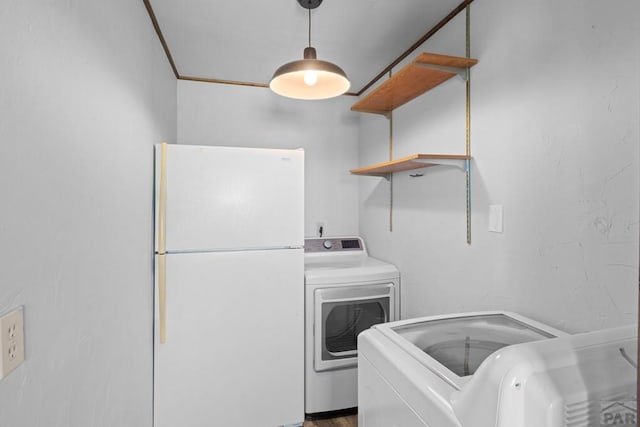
(289, 79)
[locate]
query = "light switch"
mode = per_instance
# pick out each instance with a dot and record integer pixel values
(495, 218)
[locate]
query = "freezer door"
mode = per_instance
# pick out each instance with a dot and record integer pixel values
(228, 198)
(234, 351)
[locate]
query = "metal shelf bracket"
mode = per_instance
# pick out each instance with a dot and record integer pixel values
(463, 73)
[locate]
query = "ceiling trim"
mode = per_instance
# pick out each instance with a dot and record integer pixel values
(226, 82)
(462, 6)
(156, 26)
(237, 83)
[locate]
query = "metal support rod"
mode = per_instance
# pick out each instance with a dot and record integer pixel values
(468, 124)
(390, 179)
(390, 158)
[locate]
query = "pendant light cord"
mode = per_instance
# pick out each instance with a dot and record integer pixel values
(309, 27)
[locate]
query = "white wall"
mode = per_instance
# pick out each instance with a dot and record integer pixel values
(555, 139)
(85, 93)
(216, 114)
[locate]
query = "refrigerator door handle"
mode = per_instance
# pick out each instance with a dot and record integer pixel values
(162, 200)
(162, 297)
(162, 265)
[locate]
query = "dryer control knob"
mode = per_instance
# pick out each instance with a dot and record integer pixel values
(327, 244)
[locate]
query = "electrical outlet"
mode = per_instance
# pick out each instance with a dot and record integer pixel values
(11, 341)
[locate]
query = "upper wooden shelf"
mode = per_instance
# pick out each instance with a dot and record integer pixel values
(427, 71)
(415, 161)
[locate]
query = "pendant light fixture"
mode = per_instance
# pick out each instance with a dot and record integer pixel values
(309, 78)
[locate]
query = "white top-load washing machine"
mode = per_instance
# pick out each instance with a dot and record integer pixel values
(494, 369)
(346, 292)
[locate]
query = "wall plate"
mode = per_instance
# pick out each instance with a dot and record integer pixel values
(11, 341)
(496, 219)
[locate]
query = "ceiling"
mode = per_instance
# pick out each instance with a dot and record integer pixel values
(245, 41)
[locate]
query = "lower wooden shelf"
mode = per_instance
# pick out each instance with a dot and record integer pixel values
(414, 161)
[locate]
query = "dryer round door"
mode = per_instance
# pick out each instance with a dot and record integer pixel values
(340, 314)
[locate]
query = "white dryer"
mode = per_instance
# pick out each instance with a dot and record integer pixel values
(346, 292)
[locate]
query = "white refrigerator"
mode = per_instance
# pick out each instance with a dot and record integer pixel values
(229, 287)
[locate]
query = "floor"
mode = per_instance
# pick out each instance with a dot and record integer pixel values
(348, 421)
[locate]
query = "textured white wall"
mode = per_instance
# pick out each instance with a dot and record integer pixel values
(555, 139)
(85, 93)
(215, 114)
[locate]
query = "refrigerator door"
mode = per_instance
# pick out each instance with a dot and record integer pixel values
(234, 354)
(220, 198)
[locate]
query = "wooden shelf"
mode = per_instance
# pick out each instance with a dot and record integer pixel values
(415, 161)
(427, 71)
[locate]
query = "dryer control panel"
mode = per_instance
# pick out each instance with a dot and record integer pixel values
(333, 244)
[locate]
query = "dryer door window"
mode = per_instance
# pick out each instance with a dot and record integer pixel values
(341, 314)
(343, 321)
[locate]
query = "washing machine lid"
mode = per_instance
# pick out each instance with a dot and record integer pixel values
(454, 346)
(349, 271)
(580, 380)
